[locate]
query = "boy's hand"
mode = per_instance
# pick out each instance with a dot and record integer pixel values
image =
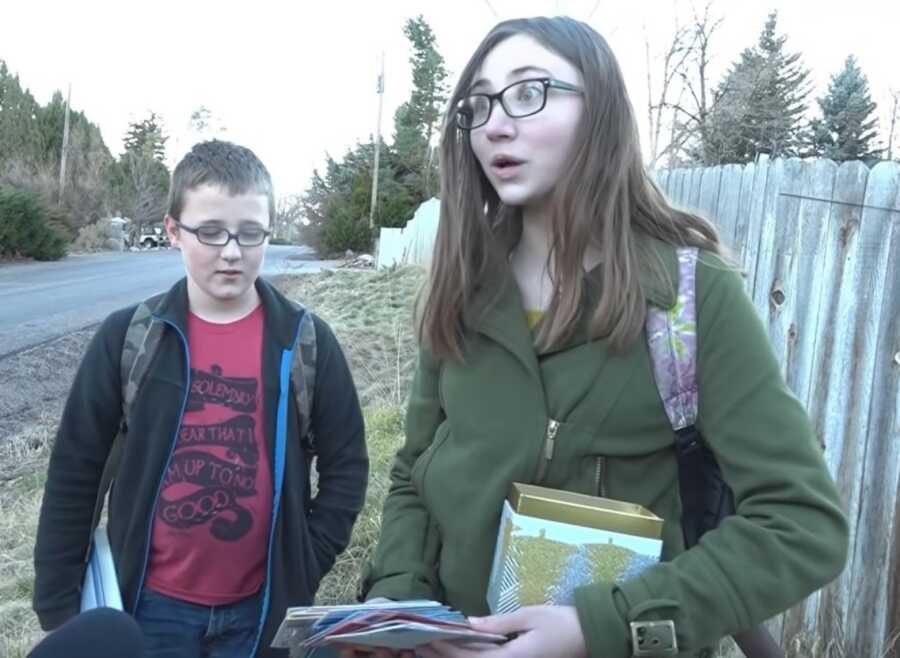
(544, 631)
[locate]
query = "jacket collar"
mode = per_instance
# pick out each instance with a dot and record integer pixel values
(282, 315)
(497, 310)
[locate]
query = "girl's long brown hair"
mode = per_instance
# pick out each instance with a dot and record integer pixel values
(604, 198)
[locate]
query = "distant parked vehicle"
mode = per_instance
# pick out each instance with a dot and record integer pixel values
(150, 236)
(153, 236)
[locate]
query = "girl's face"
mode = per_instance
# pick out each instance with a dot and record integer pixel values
(524, 158)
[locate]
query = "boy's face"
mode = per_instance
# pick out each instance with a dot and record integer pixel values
(226, 273)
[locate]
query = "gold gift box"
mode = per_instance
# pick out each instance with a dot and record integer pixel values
(586, 511)
(551, 542)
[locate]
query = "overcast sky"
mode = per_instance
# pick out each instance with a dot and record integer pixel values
(293, 80)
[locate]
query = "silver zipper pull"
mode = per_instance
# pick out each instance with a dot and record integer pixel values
(547, 453)
(552, 429)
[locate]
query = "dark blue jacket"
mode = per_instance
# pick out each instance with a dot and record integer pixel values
(306, 534)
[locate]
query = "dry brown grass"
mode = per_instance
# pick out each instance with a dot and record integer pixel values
(23, 462)
(371, 313)
(384, 435)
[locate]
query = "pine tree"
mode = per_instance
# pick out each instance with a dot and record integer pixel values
(416, 121)
(147, 137)
(846, 129)
(140, 178)
(759, 106)
(20, 139)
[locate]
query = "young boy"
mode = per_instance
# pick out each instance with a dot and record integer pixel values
(212, 527)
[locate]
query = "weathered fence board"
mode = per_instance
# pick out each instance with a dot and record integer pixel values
(868, 601)
(729, 203)
(814, 220)
(708, 198)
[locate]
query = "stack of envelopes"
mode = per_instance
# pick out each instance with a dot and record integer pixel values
(317, 631)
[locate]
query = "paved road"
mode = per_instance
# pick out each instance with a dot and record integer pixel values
(40, 301)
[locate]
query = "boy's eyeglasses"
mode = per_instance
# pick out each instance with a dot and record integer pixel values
(520, 99)
(216, 236)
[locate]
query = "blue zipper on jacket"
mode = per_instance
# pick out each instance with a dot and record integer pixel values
(187, 392)
(278, 471)
(287, 357)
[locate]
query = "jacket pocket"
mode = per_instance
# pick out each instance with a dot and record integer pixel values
(420, 467)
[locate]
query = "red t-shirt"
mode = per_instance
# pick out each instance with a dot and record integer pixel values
(212, 521)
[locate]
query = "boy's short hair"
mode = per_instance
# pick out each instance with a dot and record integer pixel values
(216, 162)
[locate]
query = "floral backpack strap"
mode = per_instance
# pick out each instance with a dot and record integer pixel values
(672, 339)
(672, 336)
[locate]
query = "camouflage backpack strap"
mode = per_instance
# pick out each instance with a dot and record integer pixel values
(303, 375)
(141, 340)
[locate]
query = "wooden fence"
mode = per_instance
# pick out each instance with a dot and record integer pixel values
(820, 243)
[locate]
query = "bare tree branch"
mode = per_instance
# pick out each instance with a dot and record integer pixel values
(685, 65)
(674, 60)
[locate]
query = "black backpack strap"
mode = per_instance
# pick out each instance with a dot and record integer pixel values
(705, 497)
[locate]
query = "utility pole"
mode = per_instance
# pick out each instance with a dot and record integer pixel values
(380, 90)
(65, 148)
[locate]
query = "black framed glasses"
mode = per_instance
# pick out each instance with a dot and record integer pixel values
(518, 100)
(218, 236)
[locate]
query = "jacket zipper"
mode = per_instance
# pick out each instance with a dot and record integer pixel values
(548, 449)
(149, 534)
(599, 477)
(277, 479)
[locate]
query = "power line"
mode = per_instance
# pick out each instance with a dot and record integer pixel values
(840, 203)
(593, 11)
(490, 6)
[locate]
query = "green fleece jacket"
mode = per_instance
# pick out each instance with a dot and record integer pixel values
(475, 427)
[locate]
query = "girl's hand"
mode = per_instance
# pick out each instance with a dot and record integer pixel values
(350, 652)
(543, 631)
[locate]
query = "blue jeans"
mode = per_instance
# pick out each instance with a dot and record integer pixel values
(178, 629)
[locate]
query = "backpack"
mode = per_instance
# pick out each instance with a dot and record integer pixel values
(141, 342)
(706, 499)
